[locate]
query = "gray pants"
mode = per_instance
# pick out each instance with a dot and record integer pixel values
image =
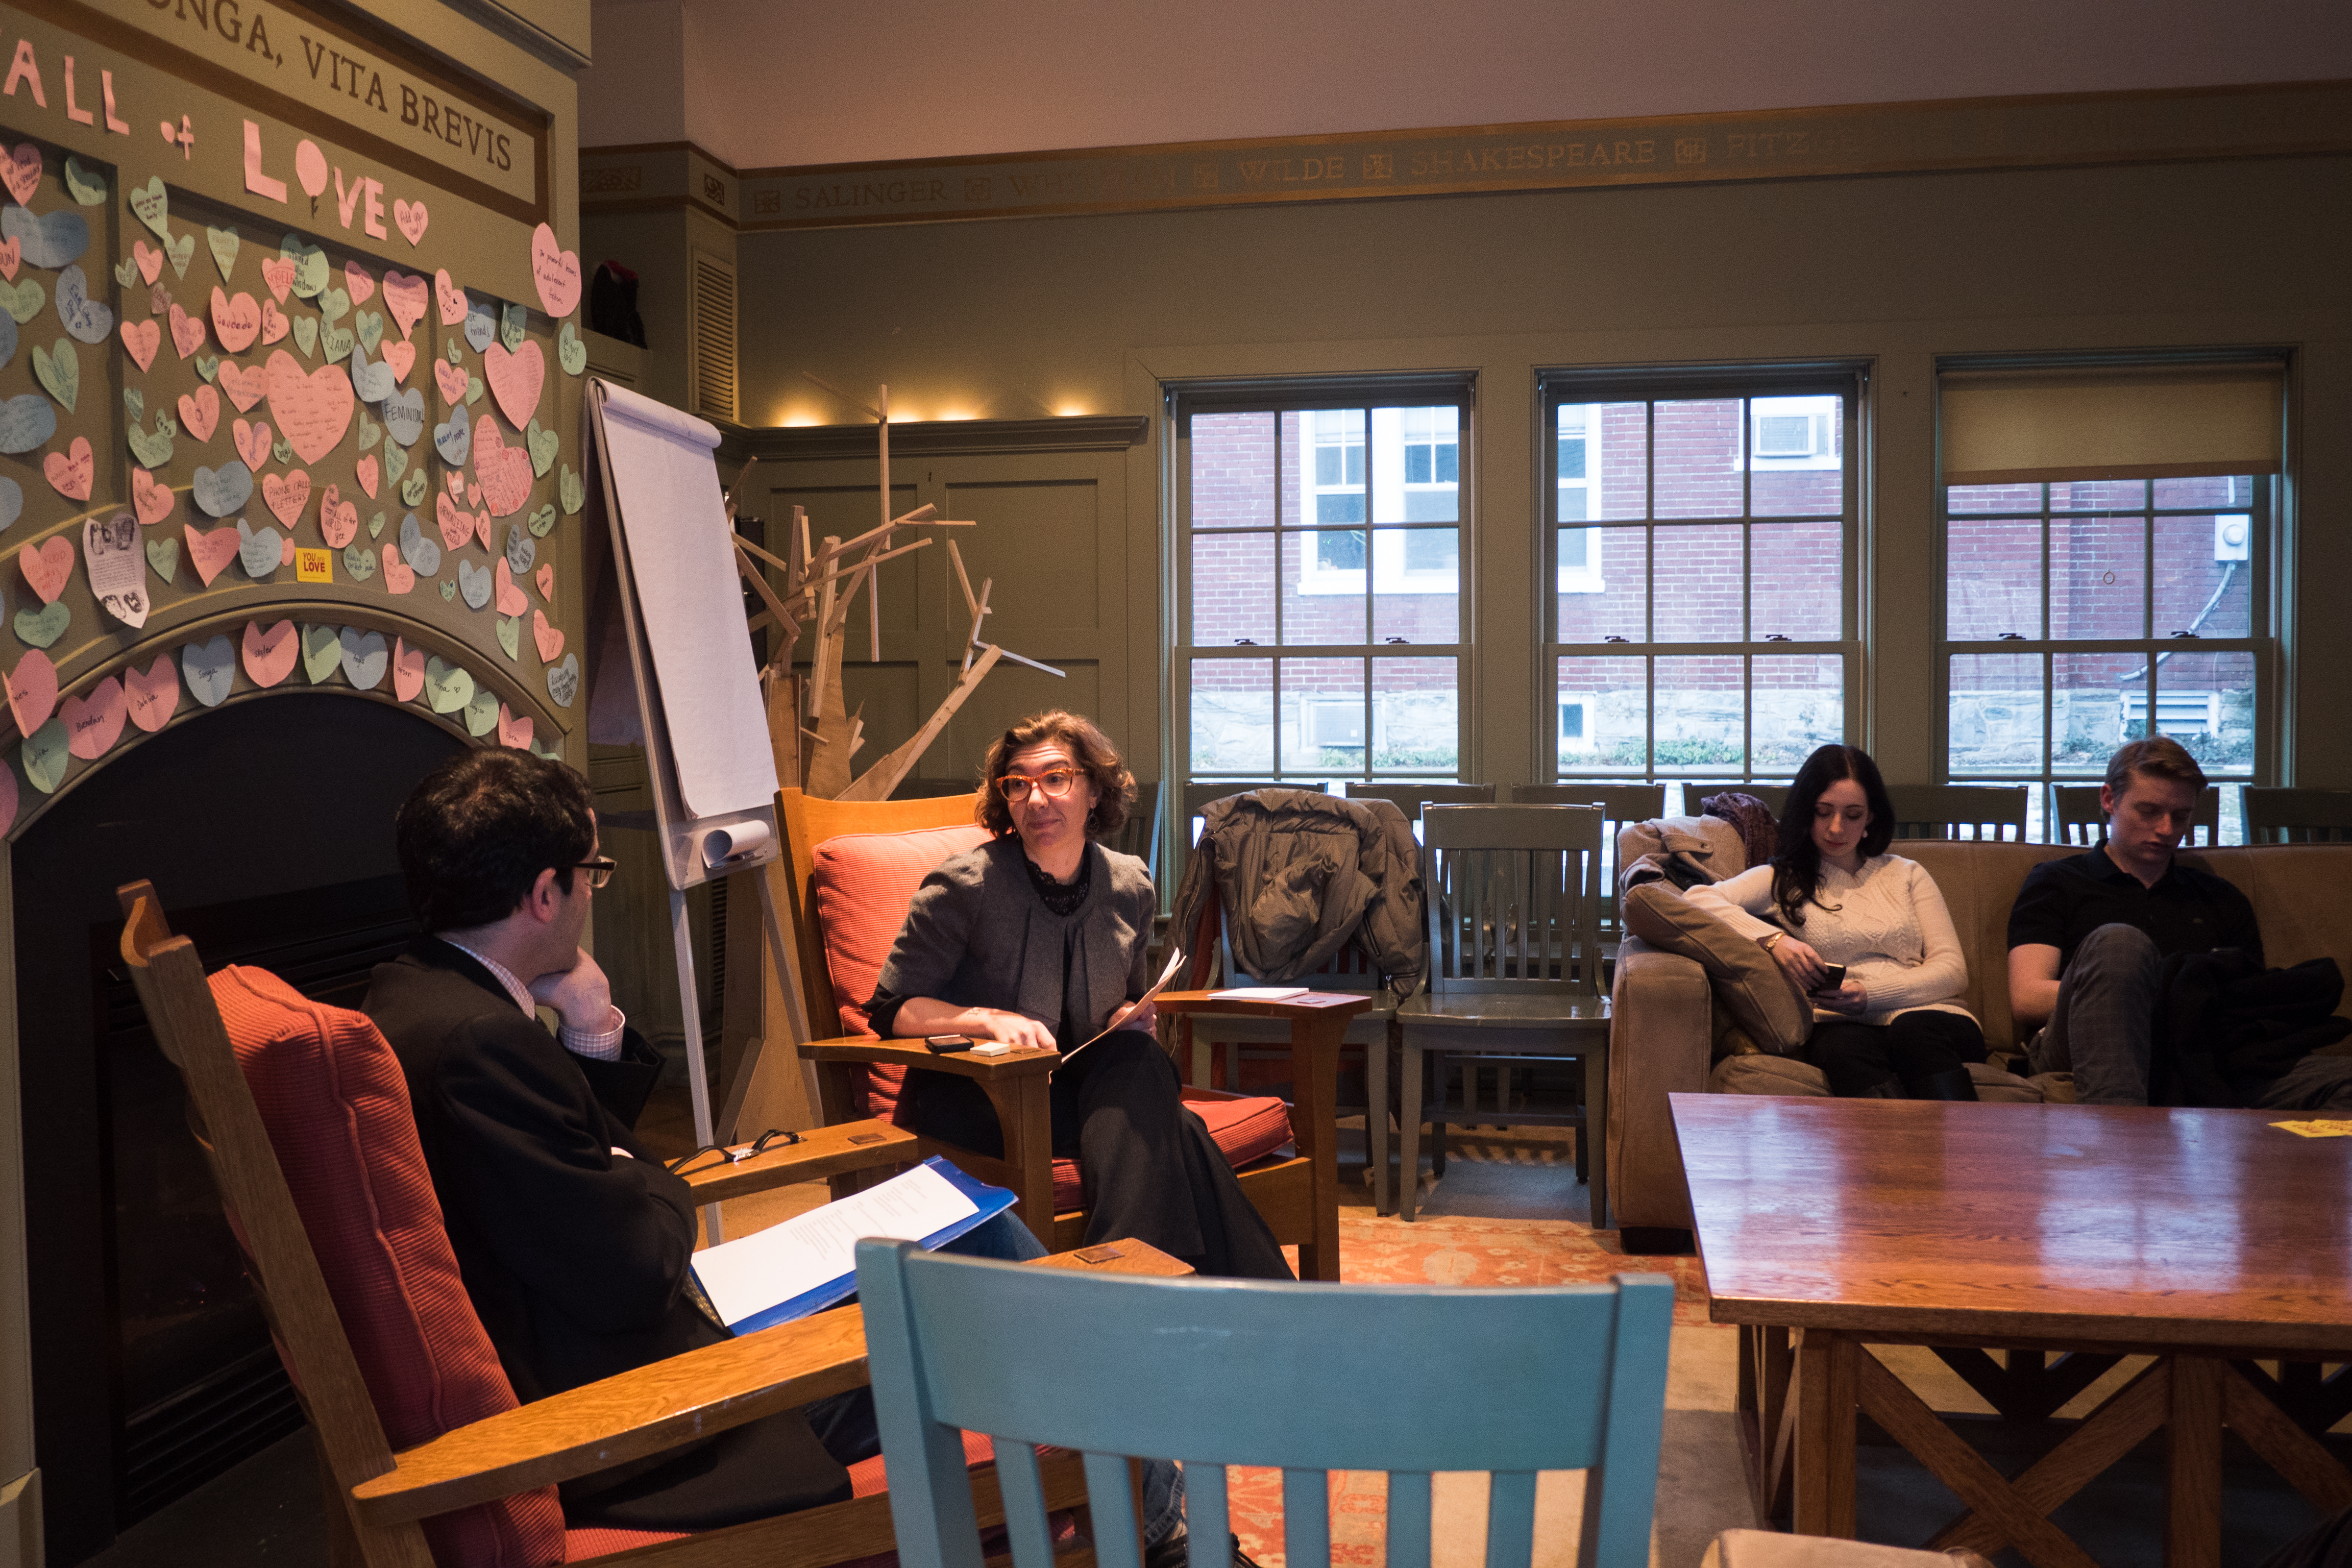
(2105, 1020)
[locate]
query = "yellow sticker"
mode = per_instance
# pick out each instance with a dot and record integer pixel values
(314, 565)
(2317, 1129)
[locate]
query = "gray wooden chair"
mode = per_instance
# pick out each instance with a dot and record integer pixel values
(2298, 815)
(1410, 798)
(1141, 836)
(1620, 804)
(1513, 975)
(1943, 811)
(2077, 818)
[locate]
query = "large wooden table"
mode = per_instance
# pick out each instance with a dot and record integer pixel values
(2067, 1235)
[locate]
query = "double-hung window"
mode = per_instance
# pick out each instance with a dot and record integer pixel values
(1319, 544)
(1700, 561)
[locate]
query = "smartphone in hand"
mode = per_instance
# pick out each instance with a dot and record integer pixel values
(1833, 977)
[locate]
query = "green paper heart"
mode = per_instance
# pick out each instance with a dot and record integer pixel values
(482, 712)
(412, 488)
(572, 491)
(473, 390)
(543, 445)
(306, 335)
(447, 686)
(336, 342)
(309, 265)
(135, 400)
(510, 634)
(181, 251)
(375, 526)
(25, 298)
(283, 450)
(322, 653)
(225, 245)
(39, 628)
(512, 319)
(553, 754)
(360, 561)
(152, 451)
(166, 425)
(395, 462)
(448, 588)
(151, 205)
(369, 325)
(542, 522)
(370, 431)
(570, 351)
(45, 757)
(334, 304)
(126, 271)
(208, 366)
(87, 186)
(163, 555)
(457, 354)
(60, 368)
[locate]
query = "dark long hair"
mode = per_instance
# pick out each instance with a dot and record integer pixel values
(1797, 859)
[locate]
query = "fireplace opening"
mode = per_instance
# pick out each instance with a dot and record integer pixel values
(266, 829)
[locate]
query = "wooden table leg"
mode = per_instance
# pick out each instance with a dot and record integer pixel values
(2192, 1529)
(1409, 1128)
(1376, 1120)
(1827, 1372)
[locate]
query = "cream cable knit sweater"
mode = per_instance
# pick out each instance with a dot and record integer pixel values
(1888, 926)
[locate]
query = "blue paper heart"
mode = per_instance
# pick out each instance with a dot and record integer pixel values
(54, 241)
(474, 582)
(564, 681)
(82, 316)
(522, 549)
(481, 324)
(222, 491)
(418, 549)
(7, 338)
(11, 501)
(374, 382)
(454, 439)
(261, 553)
(26, 423)
(210, 669)
(404, 415)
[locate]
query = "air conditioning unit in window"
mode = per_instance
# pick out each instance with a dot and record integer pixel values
(1576, 724)
(1786, 435)
(1333, 724)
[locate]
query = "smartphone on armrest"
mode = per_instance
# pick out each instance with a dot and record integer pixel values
(942, 1043)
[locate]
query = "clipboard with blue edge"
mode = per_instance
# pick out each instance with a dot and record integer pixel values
(988, 1203)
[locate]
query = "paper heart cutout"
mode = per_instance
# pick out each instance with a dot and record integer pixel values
(410, 218)
(210, 553)
(245, 384)
(369, 325)
(251, 440)
(261, 554)
(481, 324)
(44, 626)
(522, 549)
(407, 670)
(20, 169)
(150, 500)
(455, 525)
(453, 440)
(86, 185)
(481, 713)
(543, 444)
(159, 300)
(71, 471)
(306, 335)
(447, 686)
(47, 567)
(451, 380)
(23, 302)
(406, 295)
(564, 681)
(309, 265)
(370, 431)
(360, 281)
(548, 637)
(152, 447)
(515, 380)
(281, 451)
(510, 599)
(12, 256)
(545, 578)
(514, 321)
(200, 412)
(181, 251)
(401, 358)
(474, 495)
(275, 323)
(225, 245)
(375, 526)
(420, 551)
(269, 654)
(370, 383)
(82, 316)
(152, 205)
(359, 560)
(397, 578)
(313, 409)
(369, 473)
(32, 691)
(44, 757)
(286, 495)
(237, 321)
(473, 389)
(220, 492)
(570, 351)
(95, 723)
(449, 297)
(152, 694)
(336, 342)
(143, 339)
(475, 584)
(210, 669)
(542, 522)
(412, 488)
(187, 332)
(513, 731)
(26, 422)
(449, 589)
(12, 500)
(364, 657)
(150, 262)
(163, 557)
(555, 271)
(396, 461)
(339, 520)
(58, 368)
(322, 654)
(572, 491)
(505, 470)
(404, 415)
(510, 635)
(50, 240)
(334, 304)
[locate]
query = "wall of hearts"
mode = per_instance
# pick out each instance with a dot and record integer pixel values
(284, 403)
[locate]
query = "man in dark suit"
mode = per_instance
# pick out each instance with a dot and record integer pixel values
(572, 1240)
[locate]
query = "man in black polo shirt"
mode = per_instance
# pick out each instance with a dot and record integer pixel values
(2089, 935)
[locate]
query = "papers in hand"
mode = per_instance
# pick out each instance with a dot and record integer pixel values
(1175, 961)
(808, 1263)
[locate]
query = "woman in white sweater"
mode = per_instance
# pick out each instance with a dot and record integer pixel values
(1893, 1028)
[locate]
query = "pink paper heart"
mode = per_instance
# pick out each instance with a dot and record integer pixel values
(407, 670)
(153, 693)
(509, 597)
(457, 482)
(200, 412)
(71, 471)
(143, 339)
(151, 262)
(449, 297)
(274, 322)
(397, 578)
(150, 500)
(287, 494)
(252, 442)
(513, 732)
(368, 472)
(187, 332)
(473, 495)
(210, 553)
(406, 295)
(515, 379)
(236, 322)
(546, 580)
(411, 218)
(339, 520)
(451, 380)
(549, 638)
(359, 282)
(32, 691)
(555, 270)
(22, 172)
(12, 256)
(278, 271)
(159, 298)
(482, 529)
(269, 655)
(246, 385)
(286, 549)
(401, 357)
(313, 408)
(47, 567)
(505, 470)
(455, 525)
(94, 724)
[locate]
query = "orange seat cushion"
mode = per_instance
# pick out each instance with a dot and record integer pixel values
(335, 1106)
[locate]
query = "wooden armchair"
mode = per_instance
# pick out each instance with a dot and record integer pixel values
(1299, 1196)
(391, 1352)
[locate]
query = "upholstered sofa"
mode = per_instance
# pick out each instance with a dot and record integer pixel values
(1664, 1034)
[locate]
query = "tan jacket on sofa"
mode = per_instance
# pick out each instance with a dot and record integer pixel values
(1662, 1027)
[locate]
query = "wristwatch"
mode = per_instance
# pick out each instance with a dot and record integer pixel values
(1767, 942)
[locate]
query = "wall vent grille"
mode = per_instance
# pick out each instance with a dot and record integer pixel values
(711, 388)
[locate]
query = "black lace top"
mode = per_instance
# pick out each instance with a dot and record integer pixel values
(1061, 898)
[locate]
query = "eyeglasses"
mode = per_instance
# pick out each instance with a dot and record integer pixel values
(1055, 782)
(600, 871)
(713, 1155)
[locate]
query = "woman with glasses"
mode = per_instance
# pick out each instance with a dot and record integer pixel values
(1040, 938)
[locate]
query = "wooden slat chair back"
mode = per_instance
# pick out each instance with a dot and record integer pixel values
(1959, 811)
(1410, 798)
(1139, 835)
(1620, 804)
(2298, 815)
(377, 1499)
(1225, 1372)
(2077, 819)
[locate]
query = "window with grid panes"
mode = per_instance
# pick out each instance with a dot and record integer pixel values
(1701, 556)
(1319, 551)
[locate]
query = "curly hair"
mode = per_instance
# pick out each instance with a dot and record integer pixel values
(1114, 786)
(1796, 859)
(476, 834)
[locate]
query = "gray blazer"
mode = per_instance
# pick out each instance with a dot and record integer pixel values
(977, 935)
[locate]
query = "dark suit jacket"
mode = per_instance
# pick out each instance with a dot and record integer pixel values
(575, 1256)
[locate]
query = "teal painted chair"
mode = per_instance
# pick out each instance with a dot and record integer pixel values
(1215, 1373)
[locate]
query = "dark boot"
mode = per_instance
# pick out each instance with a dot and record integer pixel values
(1952, 1084)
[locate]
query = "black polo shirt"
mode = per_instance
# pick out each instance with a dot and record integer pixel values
(2188, 910)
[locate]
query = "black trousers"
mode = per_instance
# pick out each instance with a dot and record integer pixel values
(1858, 1058)
(1147, 1167)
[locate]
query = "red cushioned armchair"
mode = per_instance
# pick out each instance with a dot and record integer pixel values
(426, 1458)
